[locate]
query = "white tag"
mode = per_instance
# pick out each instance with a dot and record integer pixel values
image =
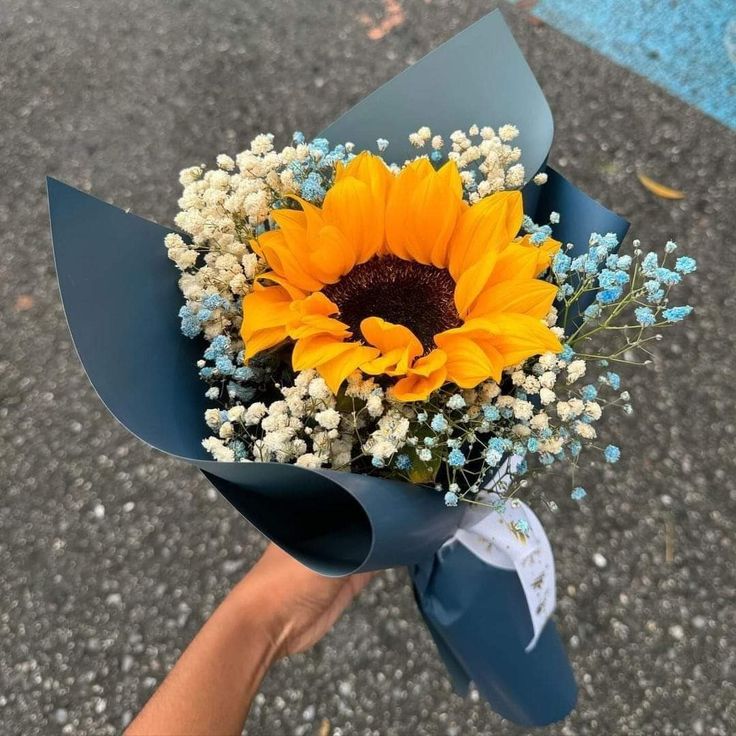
(506, 534)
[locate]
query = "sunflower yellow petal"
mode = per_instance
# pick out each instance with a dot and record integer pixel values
(369, 169)
(545, 251)
(514, 262)
(311, 352)
(425, 376)
(471, 356)
(434, 206)
(397, 344)
(490, 224)
(472, 282)
(398, 206)
(358, 214)
(331, 255)
(518, 336)
(266, 312)
(313, 316)
(275, 278)
(288, 258)
(532, 297)
(337, 369)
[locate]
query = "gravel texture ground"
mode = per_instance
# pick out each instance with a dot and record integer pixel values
(111, 555)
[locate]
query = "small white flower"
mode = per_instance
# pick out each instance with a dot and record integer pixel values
(515, 176)
(254, 413)
(296, 404)
(374, 405)
(236, 413)
(564, 412)
(585, 431)
(318, 389)
(262, 143)
(518, 378)
(539, 421)
(552, 445)
(456, 401)
(218, 450)
(523, 409)
(225, 162)
(329, 418)
(548, 379)
(174, 240)
(593, 410)
(546, 396)
(309, 460)
(298, 447)
(212, 418)
(540, 179)
(189, 175)
(226, 430)
(531, 385)
(548, 360)
(558, 332)
(488, 391)
(505, 402)
(508, 132)
(575, 370)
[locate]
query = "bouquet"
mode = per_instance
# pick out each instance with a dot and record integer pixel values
(398, 325)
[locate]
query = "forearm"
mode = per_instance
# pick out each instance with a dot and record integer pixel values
(279, 608)
(210, 689)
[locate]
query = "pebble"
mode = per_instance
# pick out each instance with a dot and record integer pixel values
(599, 560)
(61, 716)
(699, 622)
(114, 599)
(231, 566)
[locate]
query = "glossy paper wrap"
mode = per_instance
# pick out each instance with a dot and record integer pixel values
(121, 300)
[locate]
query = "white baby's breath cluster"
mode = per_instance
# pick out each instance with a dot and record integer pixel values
(305, 426)
(485, 158)
(229, 203)
(222, 210)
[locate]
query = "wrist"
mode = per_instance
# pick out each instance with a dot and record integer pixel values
(259, 611)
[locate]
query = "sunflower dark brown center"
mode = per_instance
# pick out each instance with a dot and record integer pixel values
(403, 292)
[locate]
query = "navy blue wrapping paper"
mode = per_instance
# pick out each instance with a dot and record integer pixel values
(121, 301)
(478, 617)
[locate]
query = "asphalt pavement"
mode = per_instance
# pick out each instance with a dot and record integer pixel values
(111, 555)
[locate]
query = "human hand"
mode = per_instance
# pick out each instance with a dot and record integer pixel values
(279, 608)
(297, 607)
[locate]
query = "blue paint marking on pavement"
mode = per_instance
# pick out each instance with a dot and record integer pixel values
(686, 46)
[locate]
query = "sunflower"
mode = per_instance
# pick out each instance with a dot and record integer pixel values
(396, 275)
